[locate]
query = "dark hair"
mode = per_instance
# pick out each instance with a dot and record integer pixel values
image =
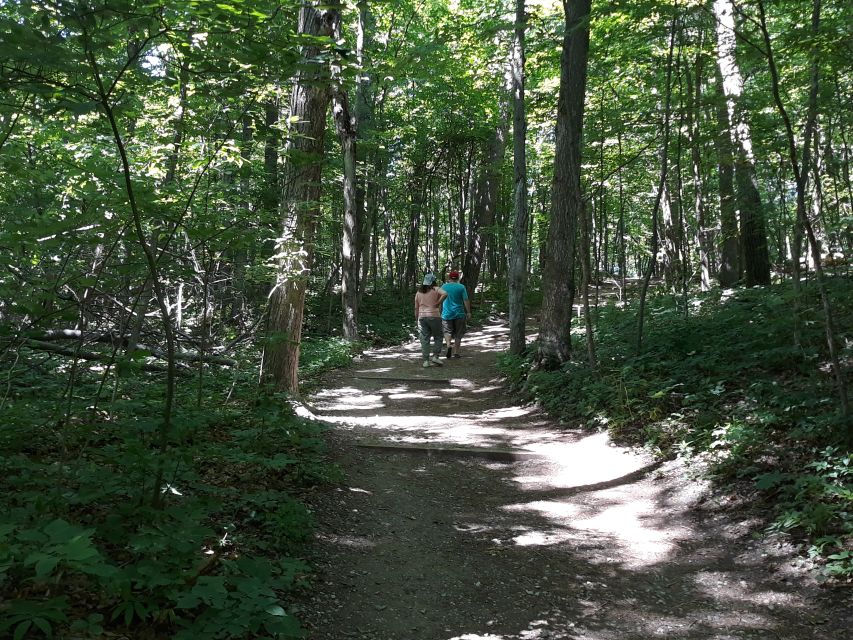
(426, 287)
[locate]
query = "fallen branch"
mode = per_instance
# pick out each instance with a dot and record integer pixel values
(82, 354)
(113, 339)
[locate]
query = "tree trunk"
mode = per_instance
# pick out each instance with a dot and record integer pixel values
(694, 87)
(485, 202)
(752, 222)
(365, 189)
(299, 204)
(729, 268)
(558, 282)
(518, 254)
(347, 128)
(641, 314)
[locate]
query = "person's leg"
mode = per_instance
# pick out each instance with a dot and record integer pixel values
(460, 328)
(424, 332)
(438, 338)
(447, 326)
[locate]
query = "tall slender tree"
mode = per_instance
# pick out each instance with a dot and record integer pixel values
(518, 255)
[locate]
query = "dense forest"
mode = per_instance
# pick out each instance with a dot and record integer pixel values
(204, 205)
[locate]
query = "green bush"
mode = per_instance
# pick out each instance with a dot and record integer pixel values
(212, 552)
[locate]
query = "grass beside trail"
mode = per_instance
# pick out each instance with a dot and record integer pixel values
(724, 380)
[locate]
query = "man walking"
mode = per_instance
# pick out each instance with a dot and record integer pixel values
(455, 311)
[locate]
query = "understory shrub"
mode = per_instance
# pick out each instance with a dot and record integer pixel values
(89, 544)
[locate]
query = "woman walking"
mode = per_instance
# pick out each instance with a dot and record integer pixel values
(427, 311)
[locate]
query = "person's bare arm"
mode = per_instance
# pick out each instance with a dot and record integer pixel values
(468, 308)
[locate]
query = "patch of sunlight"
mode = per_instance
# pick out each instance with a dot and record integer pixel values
(405, 396)
(472, 528)
(539, 539)
(347, 401)
(588, 461)
(625, 520)
(496, 387)
(475, 636)
(354, 542)
(721, 586)
(508, 412)
(340, 391)
(458, 431)
(357, 490)
(400, 388)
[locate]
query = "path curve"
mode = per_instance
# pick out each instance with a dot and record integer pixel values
(467, 516)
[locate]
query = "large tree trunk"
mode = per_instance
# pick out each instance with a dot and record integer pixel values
(752, 222)
(299, 204)
(729, 268)
(518, 255)
(558, 282)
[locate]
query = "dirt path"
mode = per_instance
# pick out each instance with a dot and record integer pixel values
(455, 538)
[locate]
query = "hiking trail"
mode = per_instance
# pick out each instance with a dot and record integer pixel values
(466, 515)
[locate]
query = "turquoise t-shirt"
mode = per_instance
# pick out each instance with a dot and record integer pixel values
(454, 303)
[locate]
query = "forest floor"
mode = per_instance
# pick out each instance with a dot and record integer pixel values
(468, 516)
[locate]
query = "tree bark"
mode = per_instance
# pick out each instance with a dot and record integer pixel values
(485, 202)
(518, 255)
(346, 124)
(752, 219)
(694, 86)
(729, 268)
(299, 204)
(558, 281)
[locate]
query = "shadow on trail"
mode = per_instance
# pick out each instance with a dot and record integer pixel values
(581, 540)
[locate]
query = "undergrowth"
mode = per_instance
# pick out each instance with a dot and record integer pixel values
(726, 382)
(89, 546)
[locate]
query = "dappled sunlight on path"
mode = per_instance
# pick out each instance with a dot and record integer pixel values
(469, 516)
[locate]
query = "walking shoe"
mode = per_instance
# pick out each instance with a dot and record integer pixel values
(435, 360)
(427, 364)
(456, 355)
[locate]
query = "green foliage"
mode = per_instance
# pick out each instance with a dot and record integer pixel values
(725, 383)
(214, 555)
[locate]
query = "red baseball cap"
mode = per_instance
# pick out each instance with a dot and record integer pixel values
(453, 275)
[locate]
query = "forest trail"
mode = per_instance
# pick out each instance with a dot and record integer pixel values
(470, 517)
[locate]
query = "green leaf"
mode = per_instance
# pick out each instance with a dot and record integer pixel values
(21, 629)
(44, 625)
(46, 565)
